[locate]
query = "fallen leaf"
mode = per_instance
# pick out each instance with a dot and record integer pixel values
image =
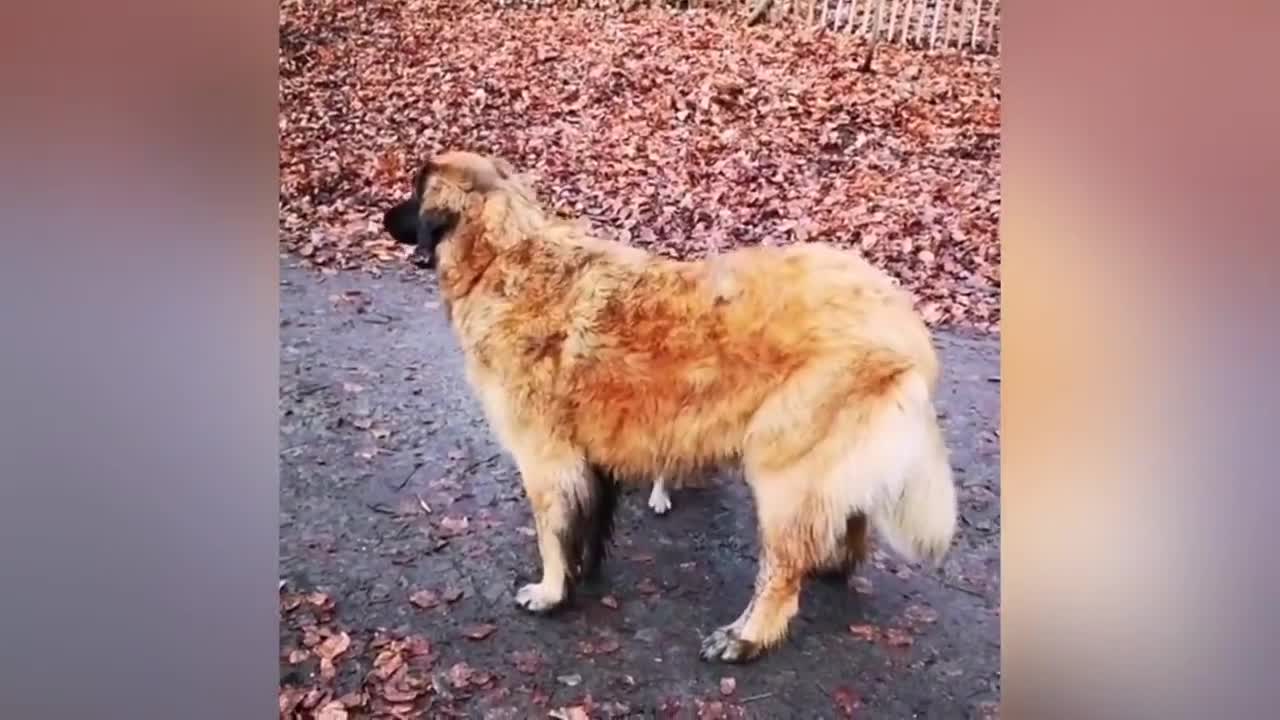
(920, 614)
(711, 710)
(333, 710)
(455, 525)
(897, 637)
(387, 663)
(573, 680)
(728, 685)
(334, 646)
(290, 698)
(399, 694)
(461, 675)
(861, 585)
(480, 631)
(297, 656)
(846, 700)
(452, 595)
(425, 599)
(610, 602)
(314, 697)
(865, 632)
(353, 700)
(417, 646)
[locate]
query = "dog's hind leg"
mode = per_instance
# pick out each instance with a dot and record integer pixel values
(851, 553)
(659, 499)
(797, 536)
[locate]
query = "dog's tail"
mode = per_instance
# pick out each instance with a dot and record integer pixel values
(912, 498)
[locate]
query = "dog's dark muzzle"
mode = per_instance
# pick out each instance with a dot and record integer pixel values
(426, 230)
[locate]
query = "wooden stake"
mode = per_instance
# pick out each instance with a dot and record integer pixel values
(977, 19)
(933, 32)
(853, 13)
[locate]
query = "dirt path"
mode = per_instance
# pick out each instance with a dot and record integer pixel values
(376, 423)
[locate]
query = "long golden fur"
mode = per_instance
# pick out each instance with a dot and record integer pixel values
(597, 362)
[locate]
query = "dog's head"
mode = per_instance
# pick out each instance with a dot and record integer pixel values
(443, 190)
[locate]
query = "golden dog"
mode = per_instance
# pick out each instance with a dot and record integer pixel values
(599, 363)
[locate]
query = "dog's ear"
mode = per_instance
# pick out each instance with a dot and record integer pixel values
(420, 179)
(471, 171)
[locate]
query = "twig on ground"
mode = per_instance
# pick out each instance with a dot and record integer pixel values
(409, 477)
(963, 589)
(466, 470)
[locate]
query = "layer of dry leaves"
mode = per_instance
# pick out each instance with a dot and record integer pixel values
(683, 132)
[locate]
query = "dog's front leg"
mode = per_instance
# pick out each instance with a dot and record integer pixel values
(557, 484)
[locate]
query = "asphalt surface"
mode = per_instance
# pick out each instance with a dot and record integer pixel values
(391, 484)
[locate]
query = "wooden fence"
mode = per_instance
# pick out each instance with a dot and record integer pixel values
(958, 25)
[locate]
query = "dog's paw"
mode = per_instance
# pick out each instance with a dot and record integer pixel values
(659, 500)
(726, 646)
(538, 598)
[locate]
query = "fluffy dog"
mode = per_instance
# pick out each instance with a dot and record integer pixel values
(597, 363)
(401, 222)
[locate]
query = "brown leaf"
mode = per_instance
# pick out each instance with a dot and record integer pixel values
(897, 637)
(354, 699)
(461, 675)
(711, 710)
(399, 694)
(479, 632)
(865, 632)
(921, 614)
(417, 646)
(387, 663)
(334, 710)
(846, 700)
(314, 697)
(297, 656)
(290, 698)
(425, 599)
(455, 525)
(334, 646)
